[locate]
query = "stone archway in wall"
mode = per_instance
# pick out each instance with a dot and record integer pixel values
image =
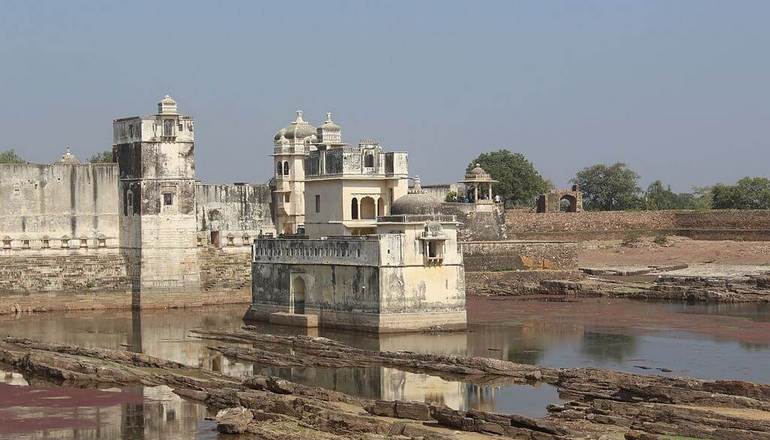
(368, 209)
(298, 295)
(568, 203)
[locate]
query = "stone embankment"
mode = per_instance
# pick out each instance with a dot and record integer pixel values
(599, 403)
(749, 288)
(667, 283)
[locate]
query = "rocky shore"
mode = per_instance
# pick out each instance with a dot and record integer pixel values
(599, 403)
(666, 283)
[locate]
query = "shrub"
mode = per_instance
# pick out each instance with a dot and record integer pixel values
(660, 239)
(631, 239)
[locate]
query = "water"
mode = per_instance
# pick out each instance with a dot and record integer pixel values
(29, 412)
(708, 341)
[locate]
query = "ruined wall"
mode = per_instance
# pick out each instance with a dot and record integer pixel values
(226, 269)
(239, 212)
(499, 256)
(476, 225)
(46, 203)
(63, 272)
(704, 225)
(440, 191)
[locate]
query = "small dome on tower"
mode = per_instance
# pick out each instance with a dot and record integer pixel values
(69, 158)
(167, 106)
(330, 125)
(299, 129)
(416, 202)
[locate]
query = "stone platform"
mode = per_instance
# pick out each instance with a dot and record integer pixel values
(294, 320)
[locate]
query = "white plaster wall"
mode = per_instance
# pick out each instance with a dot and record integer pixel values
(56, 201)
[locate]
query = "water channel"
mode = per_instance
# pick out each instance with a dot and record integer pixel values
(707, 341)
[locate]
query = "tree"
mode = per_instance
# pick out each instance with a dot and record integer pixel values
(747, 193)
(659, 196)
(103, 157)
(609, 188)
(451, 196)
(519, 183)
(10, 156)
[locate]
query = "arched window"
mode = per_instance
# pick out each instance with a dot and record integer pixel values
(369, 160)
(286, 168)
(368, 208)
(354, 209)
(380, 207)
(278, 168)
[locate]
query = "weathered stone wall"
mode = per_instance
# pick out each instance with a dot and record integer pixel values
(239, 212)
(476, 225)
(496, 256)
(63, 272)
(704, 225)
(225, 270)
(514, 282)
(46, 203)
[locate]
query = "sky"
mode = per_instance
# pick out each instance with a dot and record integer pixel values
(678, 90)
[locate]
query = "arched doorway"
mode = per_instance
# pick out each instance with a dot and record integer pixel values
(568, 203)
(368, 209)
(298, 295)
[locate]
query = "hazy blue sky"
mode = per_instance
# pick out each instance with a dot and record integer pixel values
(680, 90)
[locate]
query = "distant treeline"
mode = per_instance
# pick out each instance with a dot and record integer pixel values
(616, 187)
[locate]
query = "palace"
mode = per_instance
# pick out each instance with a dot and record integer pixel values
(358, 250)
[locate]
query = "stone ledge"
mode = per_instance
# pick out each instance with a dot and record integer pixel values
(294, 320)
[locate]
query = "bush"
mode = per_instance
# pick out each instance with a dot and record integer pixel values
(451, 196)
(631, 239)
(660, 239)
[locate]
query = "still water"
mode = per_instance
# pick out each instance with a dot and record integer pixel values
(724, 341)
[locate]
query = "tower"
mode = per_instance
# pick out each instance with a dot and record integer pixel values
(290, 146)
(156, 159)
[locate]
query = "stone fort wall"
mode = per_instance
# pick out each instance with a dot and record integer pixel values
(59, 205)
(96, 279)
(702, 225)
(491, 256)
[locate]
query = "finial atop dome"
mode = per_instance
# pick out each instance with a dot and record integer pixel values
(68, 157)
(329, 118)
(417, 187)
(299, 119)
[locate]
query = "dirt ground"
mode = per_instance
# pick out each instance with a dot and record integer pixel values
(676, 250)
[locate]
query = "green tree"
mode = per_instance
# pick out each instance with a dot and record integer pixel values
(659, 196)
(747, 193)
(609, 188)
(103, 157)
(10, 156)
(702, 197)
(519, 183)
(451, 196)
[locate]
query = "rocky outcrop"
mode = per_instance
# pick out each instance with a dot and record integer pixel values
(600, 403)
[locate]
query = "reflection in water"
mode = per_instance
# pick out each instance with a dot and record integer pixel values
(43, 412)
(603, 347)
(722, 341)
(393, 384)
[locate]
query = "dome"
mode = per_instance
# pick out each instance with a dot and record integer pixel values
(167, 106)
(69, 158)
(330, 125)
(299, 129)
(416, 202)
(477, 174)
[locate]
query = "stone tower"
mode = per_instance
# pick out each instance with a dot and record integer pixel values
(156, 159)
(290, 146)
